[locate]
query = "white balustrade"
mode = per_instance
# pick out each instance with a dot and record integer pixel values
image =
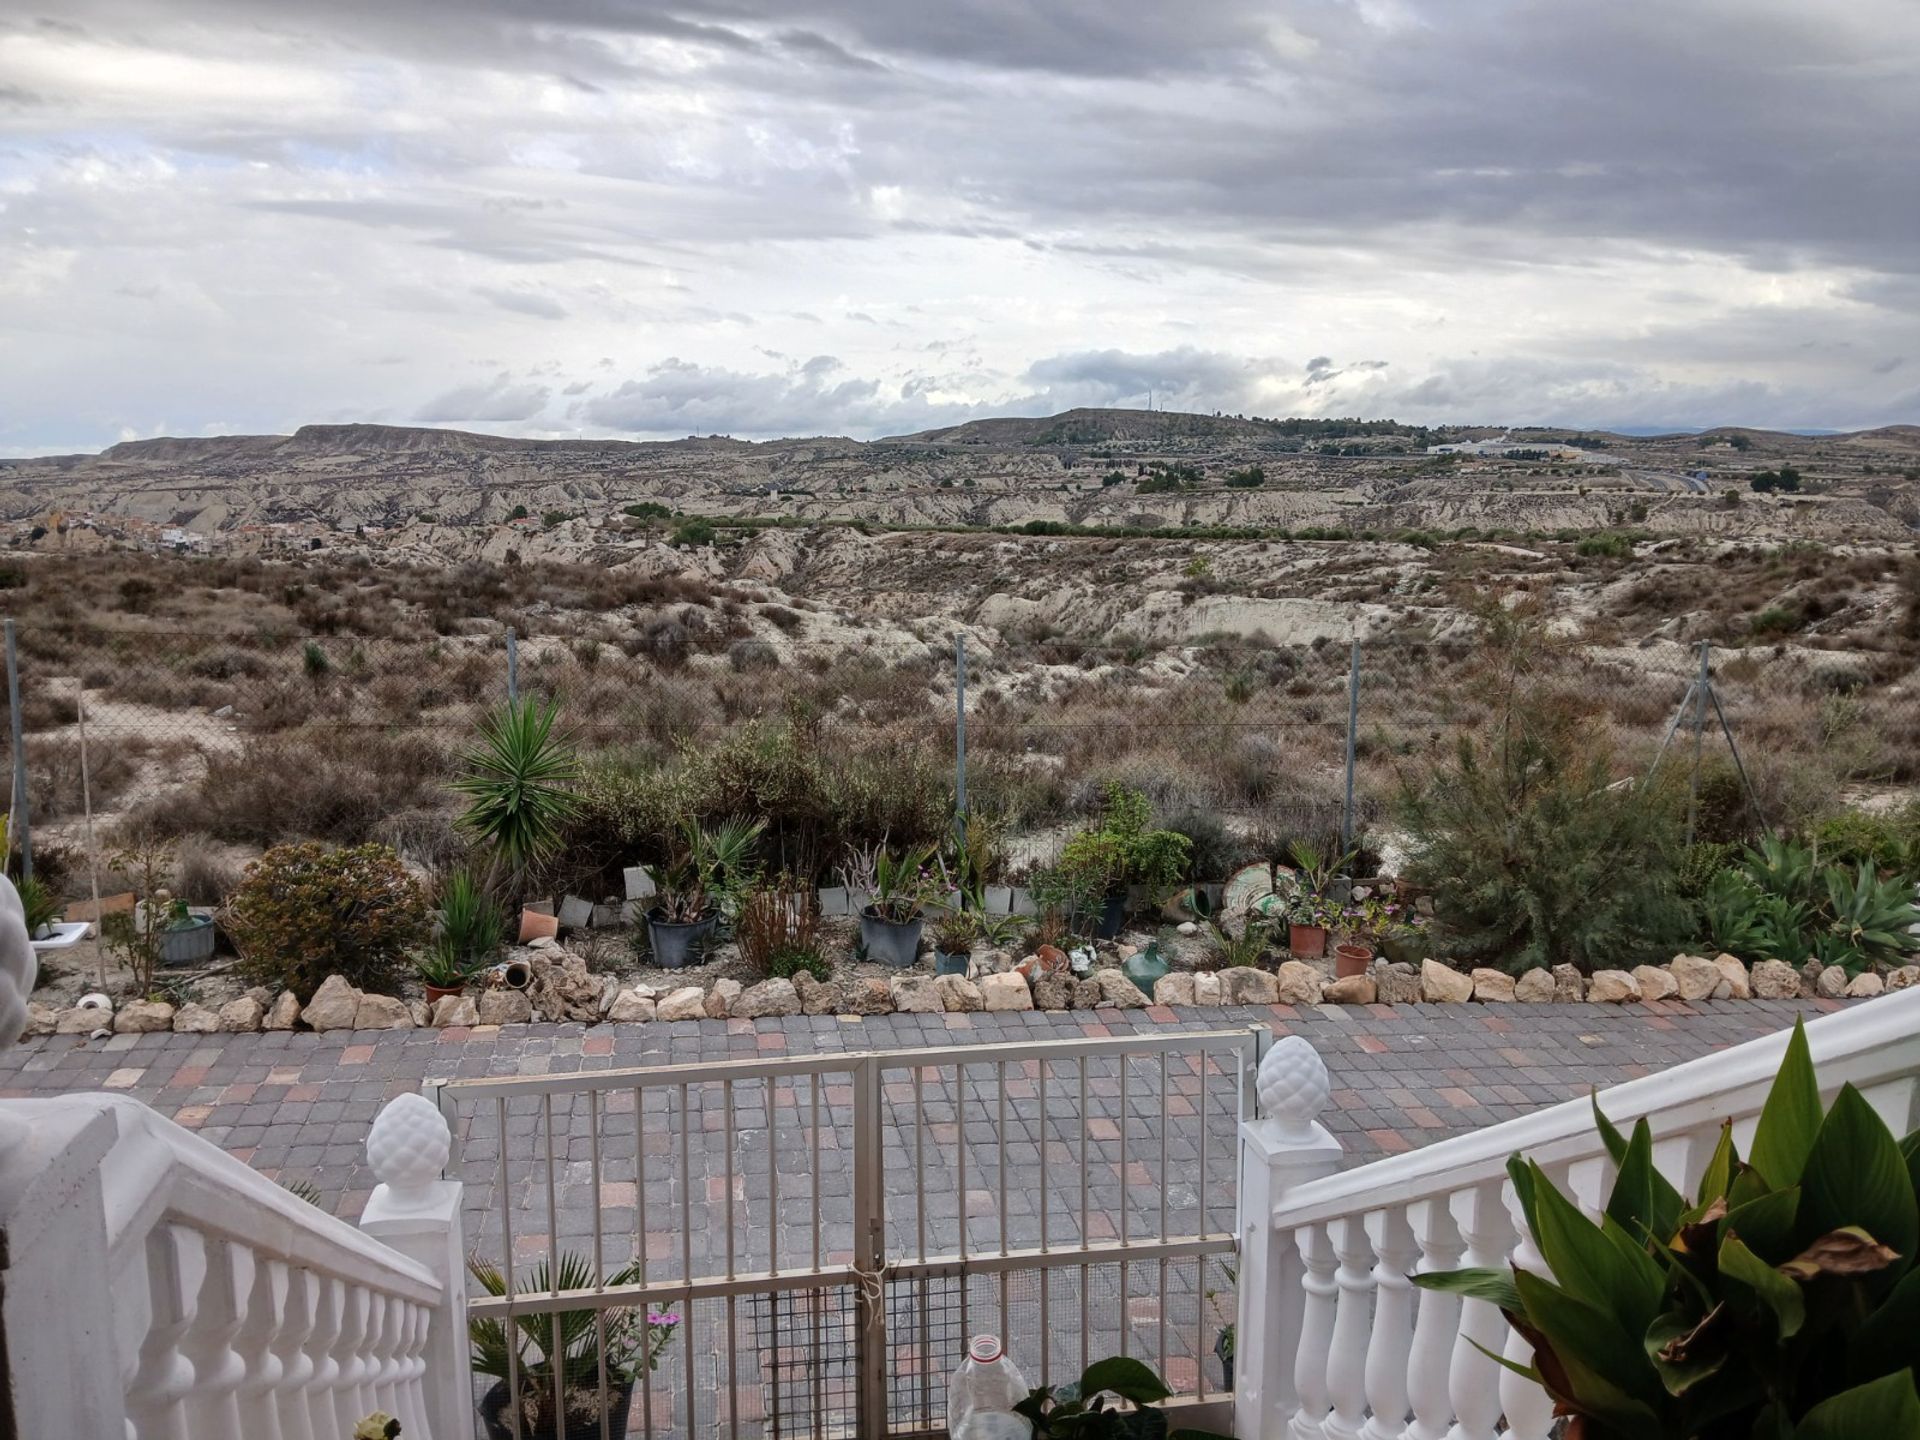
(1333, 1340)
(159, 1289)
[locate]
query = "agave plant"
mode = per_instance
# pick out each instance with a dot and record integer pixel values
(517, 783)
(1781, 1303)
(1872, 919)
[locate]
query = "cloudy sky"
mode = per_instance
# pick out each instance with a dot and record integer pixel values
(661, 217)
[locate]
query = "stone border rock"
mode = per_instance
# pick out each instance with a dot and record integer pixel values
(563, 990)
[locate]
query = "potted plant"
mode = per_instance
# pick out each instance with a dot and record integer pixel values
(42, 907)
(468, 932)
(710, 868)
(1113, 1399)
(185, 938)
(560, 1395)
(1121, 851)
(900, 887)
(953, 937)
(1362, 923)
(1307, 917)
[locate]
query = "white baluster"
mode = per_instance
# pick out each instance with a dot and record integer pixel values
(132, 1319)
(261, 1356)
(1436, 1325)
(213, 1408)
(1352, 1323)
(1474, 1379)
(1316, 1335)
(294, 1404)
(323, 1407)
(176, 1270)
(1529, 1409)
(389, 1357)
(350, 1402)
(1390, 1346)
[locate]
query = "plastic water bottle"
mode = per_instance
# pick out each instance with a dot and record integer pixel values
(984, 1391)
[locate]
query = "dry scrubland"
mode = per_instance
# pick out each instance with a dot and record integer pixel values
(305, 679)
(245, 702)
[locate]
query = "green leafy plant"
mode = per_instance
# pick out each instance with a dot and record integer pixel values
(901, 885)
(711, 872)
(307, 911)
(1123, 850)
(134, 935)
(1533, 854)
(955, 931)
(518, 784)
(1112, 1400)
(41, 905)
(1070, 898)
(1780, 1303)
(469, 931)
(570, 1345)
(1730, 914)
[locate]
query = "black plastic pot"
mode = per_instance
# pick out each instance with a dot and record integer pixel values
(891, 942)
(494, 1419)
(945, 964)
(675, 944)
(1113, 915)
(1223, 1351)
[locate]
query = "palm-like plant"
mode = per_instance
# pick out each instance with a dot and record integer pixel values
(517, 782)
(525, 1347)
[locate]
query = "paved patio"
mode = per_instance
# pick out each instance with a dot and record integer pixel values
(734, 1177)
(297, 1105)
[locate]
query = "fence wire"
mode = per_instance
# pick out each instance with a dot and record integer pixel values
(1222, 727)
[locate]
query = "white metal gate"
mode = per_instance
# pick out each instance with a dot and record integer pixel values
(828, 1229)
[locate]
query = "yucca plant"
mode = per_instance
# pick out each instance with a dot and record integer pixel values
(517, 783)
(41, 905)
(469, 931)
(1781, 1303)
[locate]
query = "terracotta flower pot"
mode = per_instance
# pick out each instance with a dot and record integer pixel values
(1307, 942)
(437, 993)
(1351, 958)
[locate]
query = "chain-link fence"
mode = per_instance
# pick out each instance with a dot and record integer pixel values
(250, 735)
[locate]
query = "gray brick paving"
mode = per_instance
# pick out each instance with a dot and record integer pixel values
(297, 1106)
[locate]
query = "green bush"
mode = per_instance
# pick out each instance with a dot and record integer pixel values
(1781, 1301)
(1535, 857)
(1122, 850)
(786, 963)
(1890, 842)
(305, 912)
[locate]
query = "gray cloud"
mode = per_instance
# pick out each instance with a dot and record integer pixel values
(495, 401)
(1615, 210)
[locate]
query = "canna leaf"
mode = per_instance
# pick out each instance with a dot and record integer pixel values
(1884, 1407)
(1856, 1176)
(1776, 1291)
(1791, 1118)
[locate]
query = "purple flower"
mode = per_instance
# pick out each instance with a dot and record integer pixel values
(662, 1317)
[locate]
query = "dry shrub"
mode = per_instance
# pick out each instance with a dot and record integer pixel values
(204, 873)
(321, 783)
(54, 785)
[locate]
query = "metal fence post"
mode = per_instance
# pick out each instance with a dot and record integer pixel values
(959, 738)
(17, 821)
(1353, 724)
(1699, 737)
(869, 1250)
(513, 667)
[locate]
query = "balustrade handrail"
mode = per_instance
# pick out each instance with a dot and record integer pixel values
(156, 1168)
(1867, 1043)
